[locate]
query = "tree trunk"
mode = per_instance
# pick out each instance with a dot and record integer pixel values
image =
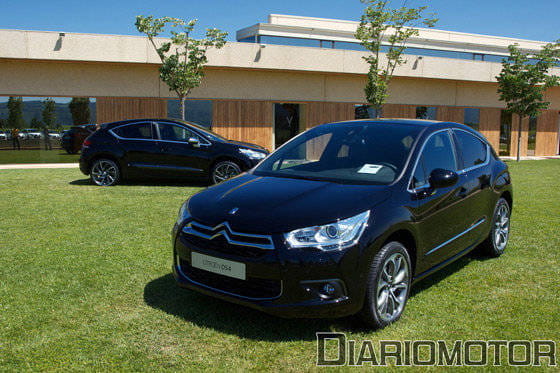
(182, 99)
(519, 138)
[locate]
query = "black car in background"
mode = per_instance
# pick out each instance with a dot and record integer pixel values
(344, 218)
(164, 148)
(72, 140)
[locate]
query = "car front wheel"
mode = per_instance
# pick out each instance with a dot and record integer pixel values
(105, 172)
(224, 170)
(388, 286)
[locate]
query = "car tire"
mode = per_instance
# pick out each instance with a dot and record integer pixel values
(497, 240)
(224, 170)
(388, 286)
(105, 172)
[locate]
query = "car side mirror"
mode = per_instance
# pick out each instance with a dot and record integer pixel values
(440, 178)
(194, 142)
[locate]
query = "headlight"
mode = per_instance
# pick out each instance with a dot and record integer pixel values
(183, 212)
(253, 154)
(335, 236)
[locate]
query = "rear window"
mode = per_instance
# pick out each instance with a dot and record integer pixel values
(473, 151)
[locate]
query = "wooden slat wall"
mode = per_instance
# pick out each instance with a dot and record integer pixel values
(110, 109)
(451, 114)
(524, 133)
(489, 125)
(326, 112)
(547, 133)
(249, 121)
(399, 111)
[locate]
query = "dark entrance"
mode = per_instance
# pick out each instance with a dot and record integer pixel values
(286, 122)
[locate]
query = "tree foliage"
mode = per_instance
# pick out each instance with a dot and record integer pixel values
(15, 113)
(524, 80)
(79, 108)
(183, 57)
(381, 25)
(49, 114)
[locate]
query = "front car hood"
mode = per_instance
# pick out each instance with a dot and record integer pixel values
(245, 145)
(273, 205)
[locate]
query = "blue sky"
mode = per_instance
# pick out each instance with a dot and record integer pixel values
(537, 19)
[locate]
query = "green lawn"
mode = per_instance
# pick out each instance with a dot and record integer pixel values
(37, 156)
(85, 284)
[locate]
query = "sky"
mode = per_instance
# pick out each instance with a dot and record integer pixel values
(535, 20)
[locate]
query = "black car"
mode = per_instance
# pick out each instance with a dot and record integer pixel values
(72, 140)
(344, 218)
(164, 148)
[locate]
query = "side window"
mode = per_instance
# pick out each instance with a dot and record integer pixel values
(172, 132)
(135, 131)
(473, 150)
(437, 153)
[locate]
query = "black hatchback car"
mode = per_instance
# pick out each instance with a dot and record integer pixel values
(164, 148)
(344, 218)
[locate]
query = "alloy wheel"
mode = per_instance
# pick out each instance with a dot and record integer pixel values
(392, 287)
(501, 227)
(104, 173)
(224, 171)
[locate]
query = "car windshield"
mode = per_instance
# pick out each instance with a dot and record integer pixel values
(359, 152)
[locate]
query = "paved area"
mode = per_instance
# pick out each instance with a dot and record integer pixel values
(37, 165)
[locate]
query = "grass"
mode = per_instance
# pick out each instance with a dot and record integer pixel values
(37, 156)
(85, 284)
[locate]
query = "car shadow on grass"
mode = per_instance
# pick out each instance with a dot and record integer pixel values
(149, 182)
(207, 312)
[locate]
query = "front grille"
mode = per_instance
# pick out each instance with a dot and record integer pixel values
(223, 239)
(254, 288)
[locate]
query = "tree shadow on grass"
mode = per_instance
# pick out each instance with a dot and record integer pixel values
(207, 312)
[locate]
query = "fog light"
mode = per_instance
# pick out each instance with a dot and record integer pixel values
(325, 289)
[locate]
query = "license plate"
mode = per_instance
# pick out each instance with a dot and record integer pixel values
(218, 265)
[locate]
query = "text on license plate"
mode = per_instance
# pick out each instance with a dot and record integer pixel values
(218, 265)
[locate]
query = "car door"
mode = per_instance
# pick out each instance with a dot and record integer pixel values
(139, 146)
(439, 212)
(178, 155)
(474, 156)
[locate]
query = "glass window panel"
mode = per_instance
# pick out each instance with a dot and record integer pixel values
(426, 112)
(505, 133)
(282, 40)
(196, 111)
(438, 153)
(473, 151)
(532, 136)
(135, 131)
(472, 117)
(172, 132)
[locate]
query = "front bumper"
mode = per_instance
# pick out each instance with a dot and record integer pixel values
(282, 282)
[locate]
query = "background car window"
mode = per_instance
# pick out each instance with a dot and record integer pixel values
(172, 132)
(437, 153)
(473, 150)
(135, 131)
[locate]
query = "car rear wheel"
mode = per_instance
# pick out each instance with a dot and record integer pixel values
(224, 170)
(498, 238)
(105, 172)
(388, 286)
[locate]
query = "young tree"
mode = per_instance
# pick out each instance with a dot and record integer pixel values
(15, 113)
(49, 114)
(524, 79)
(182, 68)
(383, 24)
(79, 108)
(35, 123)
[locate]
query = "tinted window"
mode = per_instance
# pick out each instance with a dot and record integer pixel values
(426, 112)
(437, 153)
(353, 152)
(472, 117)
(473, 150)
(172, 132)
(135, 131)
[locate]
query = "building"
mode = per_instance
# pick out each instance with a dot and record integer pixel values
(280, 78)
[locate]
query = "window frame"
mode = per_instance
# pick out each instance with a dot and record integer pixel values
(460, 151)
(112, 131)
(201, 139)
(410, 186)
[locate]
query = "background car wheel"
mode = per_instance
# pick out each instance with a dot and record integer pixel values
(105, 172)
(224, 170)
(497, 240)
(388, 286)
